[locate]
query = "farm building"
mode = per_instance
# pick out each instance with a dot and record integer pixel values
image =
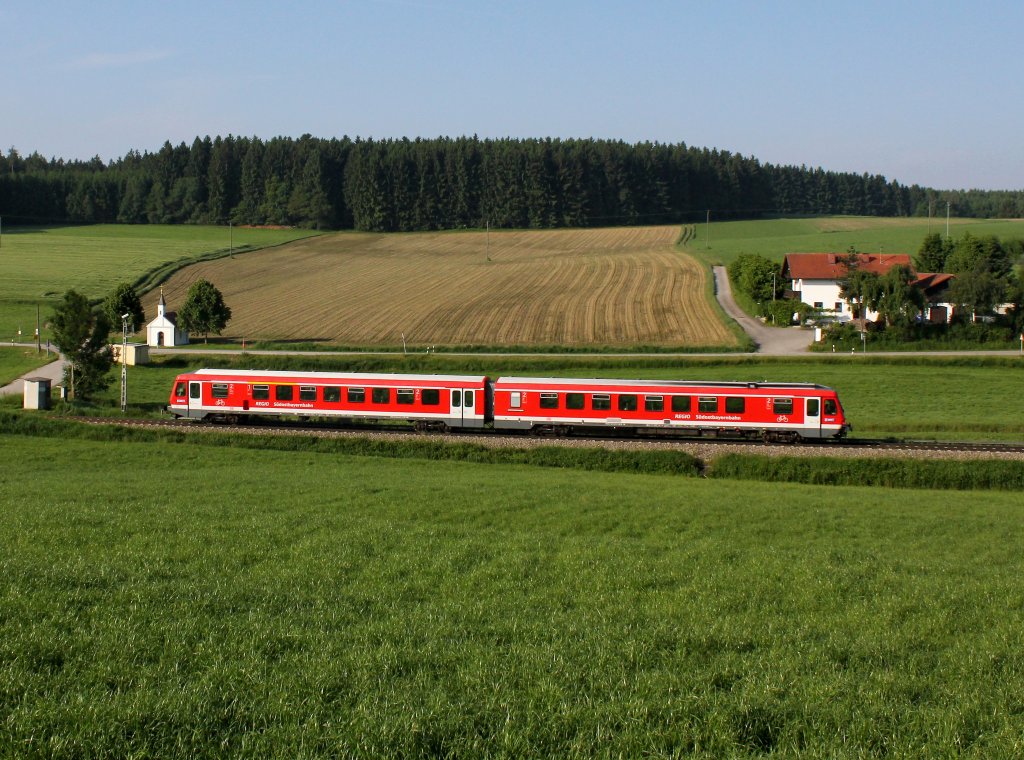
(164, 330)
(814, 279)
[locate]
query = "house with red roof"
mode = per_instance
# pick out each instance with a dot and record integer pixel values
(814, 279)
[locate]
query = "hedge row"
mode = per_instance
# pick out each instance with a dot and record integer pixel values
(661, 462)
(945, 474)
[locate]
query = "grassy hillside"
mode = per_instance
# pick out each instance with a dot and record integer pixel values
(195, 601)
(37, 265)
(776, 237)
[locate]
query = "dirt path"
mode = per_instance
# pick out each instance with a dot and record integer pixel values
(772, 341)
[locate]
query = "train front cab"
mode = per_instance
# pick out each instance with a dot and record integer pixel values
(187, 398)
(826, 417)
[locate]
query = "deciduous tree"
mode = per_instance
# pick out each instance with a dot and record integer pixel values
(124, 300)
(80, 332)
(204, 310)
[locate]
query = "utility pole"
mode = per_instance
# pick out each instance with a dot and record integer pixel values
(38, 346)
(124, 362)
(947, 220)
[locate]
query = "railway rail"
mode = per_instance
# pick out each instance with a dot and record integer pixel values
(848, 446)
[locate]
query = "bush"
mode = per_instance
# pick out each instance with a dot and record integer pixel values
(888, 472)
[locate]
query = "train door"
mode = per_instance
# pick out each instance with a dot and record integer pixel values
(195, 396)
(456, 413)
(812, 419)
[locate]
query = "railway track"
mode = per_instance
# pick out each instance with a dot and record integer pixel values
(853, 446)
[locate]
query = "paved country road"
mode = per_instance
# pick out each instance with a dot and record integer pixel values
(771, 341)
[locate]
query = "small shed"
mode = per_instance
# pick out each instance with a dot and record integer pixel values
(137, 353)
(37, 393)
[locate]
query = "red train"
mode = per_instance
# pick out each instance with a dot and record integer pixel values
(559, 406)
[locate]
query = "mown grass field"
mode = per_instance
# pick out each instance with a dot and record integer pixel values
(624, 287)
(196, 601)
(775, 238)
(38, 265)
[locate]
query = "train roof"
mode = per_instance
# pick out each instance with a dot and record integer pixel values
(604, 381)
(359, 376)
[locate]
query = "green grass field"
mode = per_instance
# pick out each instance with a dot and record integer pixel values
(775, 238)
(961, 398)
(194, 601)
(38, 265)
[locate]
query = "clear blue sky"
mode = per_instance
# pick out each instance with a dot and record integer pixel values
(922, 92)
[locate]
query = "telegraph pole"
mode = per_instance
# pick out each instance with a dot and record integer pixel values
(124, 362)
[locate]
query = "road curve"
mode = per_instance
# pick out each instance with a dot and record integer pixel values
(771, 341)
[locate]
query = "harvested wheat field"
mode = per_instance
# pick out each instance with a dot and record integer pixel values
(611, 287)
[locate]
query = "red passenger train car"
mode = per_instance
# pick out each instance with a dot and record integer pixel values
(427, 401)
(768, 411)
(559, 406)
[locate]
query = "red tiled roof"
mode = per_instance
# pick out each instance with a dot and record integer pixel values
(931, 282)
(832, 266)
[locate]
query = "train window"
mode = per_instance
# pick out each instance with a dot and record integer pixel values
(515, 399)
(680, 403)
(179, 389)
(467, 399)
(219, 390)
(627, 402)
(405, 396)
(307, 393)
(430, 396)
(549, 401)
(332, 394)
(782, 406)
(812, 407)
(261, 392)
(735, 404)
(381, 395)
(707, 403)
(601, 402)
(356, 395)
(830, 406)
(283, 392)
(654, 403)
(193, 390)
(574, 400)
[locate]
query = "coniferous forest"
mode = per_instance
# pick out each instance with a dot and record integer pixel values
(450, 183)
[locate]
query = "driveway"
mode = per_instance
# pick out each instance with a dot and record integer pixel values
(771, 341)
(54, 371)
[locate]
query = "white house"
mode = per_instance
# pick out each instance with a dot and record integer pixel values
(164, 330)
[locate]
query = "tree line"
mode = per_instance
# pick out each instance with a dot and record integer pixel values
(449, 183)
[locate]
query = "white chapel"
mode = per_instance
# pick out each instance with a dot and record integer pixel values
(164, 330)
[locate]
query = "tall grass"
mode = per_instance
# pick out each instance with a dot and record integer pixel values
(169, 601)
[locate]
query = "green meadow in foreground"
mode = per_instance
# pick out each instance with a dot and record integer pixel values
(195, 601)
